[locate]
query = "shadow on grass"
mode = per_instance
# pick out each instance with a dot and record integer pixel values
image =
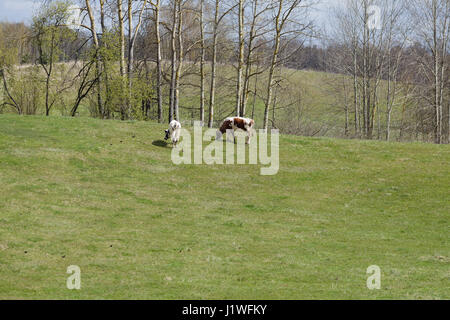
(160, 143)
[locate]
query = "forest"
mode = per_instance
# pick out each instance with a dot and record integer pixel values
(378, 70)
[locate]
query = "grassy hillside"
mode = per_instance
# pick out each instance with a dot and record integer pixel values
(104, 195)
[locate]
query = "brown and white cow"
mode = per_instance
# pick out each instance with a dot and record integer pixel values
(229, 125)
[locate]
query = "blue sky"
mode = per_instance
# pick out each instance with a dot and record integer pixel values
(17, 10)
(22, 10)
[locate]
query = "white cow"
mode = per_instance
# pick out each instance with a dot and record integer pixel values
(173, 132)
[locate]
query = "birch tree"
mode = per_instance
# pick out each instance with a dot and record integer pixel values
(173, 48)
(283, 10)
(255, 33)
(120, 17)
(240, 56)
(431, 19)
(218, 17)
(202, 61)
(157, 14)
(179, 54)
(132, 34)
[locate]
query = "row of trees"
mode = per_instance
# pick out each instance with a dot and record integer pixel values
(402, 60)
(172, 31)
(208, 59)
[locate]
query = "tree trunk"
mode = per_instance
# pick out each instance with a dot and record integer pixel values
(448, 120)
(437, 128)
(122, 54)
(355, 85)
(180, 61)
(158, 61)
(130, 57)
(132, 34)
(345, 109)
(388, 125)
(249, 62)
(47, 88)
(255, 93)
(212, 92)
(273, 65)
(388, 98)
(5, 86)
(174, 61)
(202, 65)
(240, 58)
(106, 109)
(280, 20)
(366, 104)
(97, 57)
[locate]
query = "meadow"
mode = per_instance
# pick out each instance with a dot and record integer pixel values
(104, 195)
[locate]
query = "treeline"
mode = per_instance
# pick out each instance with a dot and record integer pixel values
(387, 70)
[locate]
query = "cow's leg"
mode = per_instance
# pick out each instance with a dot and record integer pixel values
(249, 136)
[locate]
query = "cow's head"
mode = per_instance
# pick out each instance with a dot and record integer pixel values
(167, 134)
(248, 124)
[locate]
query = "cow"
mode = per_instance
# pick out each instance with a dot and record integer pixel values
(229, 125)
(173, 132)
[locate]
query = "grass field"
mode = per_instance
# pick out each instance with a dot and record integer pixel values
(104, 195)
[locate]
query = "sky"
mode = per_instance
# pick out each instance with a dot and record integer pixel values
(17, 10)
(22, 10)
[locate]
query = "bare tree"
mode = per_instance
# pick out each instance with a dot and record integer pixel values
(179, 55)
(12, 102)
(395, 44)
(105, 113)
(157, 14)
(255, 32)
(85, 84)
(132, 34)
(212, 93)
(284, 10)
(173, 48)
(346, 47)
(93, 31)
(367, 53)
(202, 61)
(432, 19)
(48, 35)
(121, 18)
(240, 56)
